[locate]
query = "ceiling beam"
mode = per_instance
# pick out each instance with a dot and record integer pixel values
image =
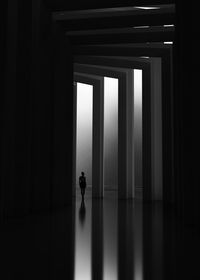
(154, 50)
(128, 36)
(114, 17)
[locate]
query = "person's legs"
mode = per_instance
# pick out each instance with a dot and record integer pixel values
(82, 193)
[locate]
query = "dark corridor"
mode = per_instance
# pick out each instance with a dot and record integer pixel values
(40, 222)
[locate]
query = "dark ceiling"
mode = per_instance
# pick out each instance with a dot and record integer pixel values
(96, 4)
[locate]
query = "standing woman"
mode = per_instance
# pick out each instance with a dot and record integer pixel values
(82, 184)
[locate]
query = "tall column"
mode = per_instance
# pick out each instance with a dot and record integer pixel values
(125, 137)
(97, 148)
(74, 139)
(167, 130)
(156, 128)
(146, 135)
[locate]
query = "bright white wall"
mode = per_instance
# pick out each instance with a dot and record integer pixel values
(138, 126)
(110, 132)
(84, 131)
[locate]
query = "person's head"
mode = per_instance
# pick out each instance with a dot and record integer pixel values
(82, 173)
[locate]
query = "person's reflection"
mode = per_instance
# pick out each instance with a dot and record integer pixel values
(82, 213)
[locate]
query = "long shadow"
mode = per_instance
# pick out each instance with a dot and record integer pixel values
(82, 213)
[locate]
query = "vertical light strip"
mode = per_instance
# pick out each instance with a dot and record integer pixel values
(138, 127)
(110, 133)
(147, 8)
(84, 131)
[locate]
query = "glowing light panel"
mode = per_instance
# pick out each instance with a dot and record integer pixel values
(147, 8)
(138, 126)
(84, 131)
(110, 132)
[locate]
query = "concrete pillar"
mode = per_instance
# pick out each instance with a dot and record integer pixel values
(97, 149)
(74, 139)
(146, 135)
(125, 137)
(156, 129)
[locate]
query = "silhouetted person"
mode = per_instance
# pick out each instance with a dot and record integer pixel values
(82, 212)
(82, 184)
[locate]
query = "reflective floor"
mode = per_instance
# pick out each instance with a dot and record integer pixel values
(100, 239)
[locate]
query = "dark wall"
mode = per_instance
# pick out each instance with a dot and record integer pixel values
(186, 114)
(36, 111)
(15, 118)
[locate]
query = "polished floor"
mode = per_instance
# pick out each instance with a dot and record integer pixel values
(100, 239)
